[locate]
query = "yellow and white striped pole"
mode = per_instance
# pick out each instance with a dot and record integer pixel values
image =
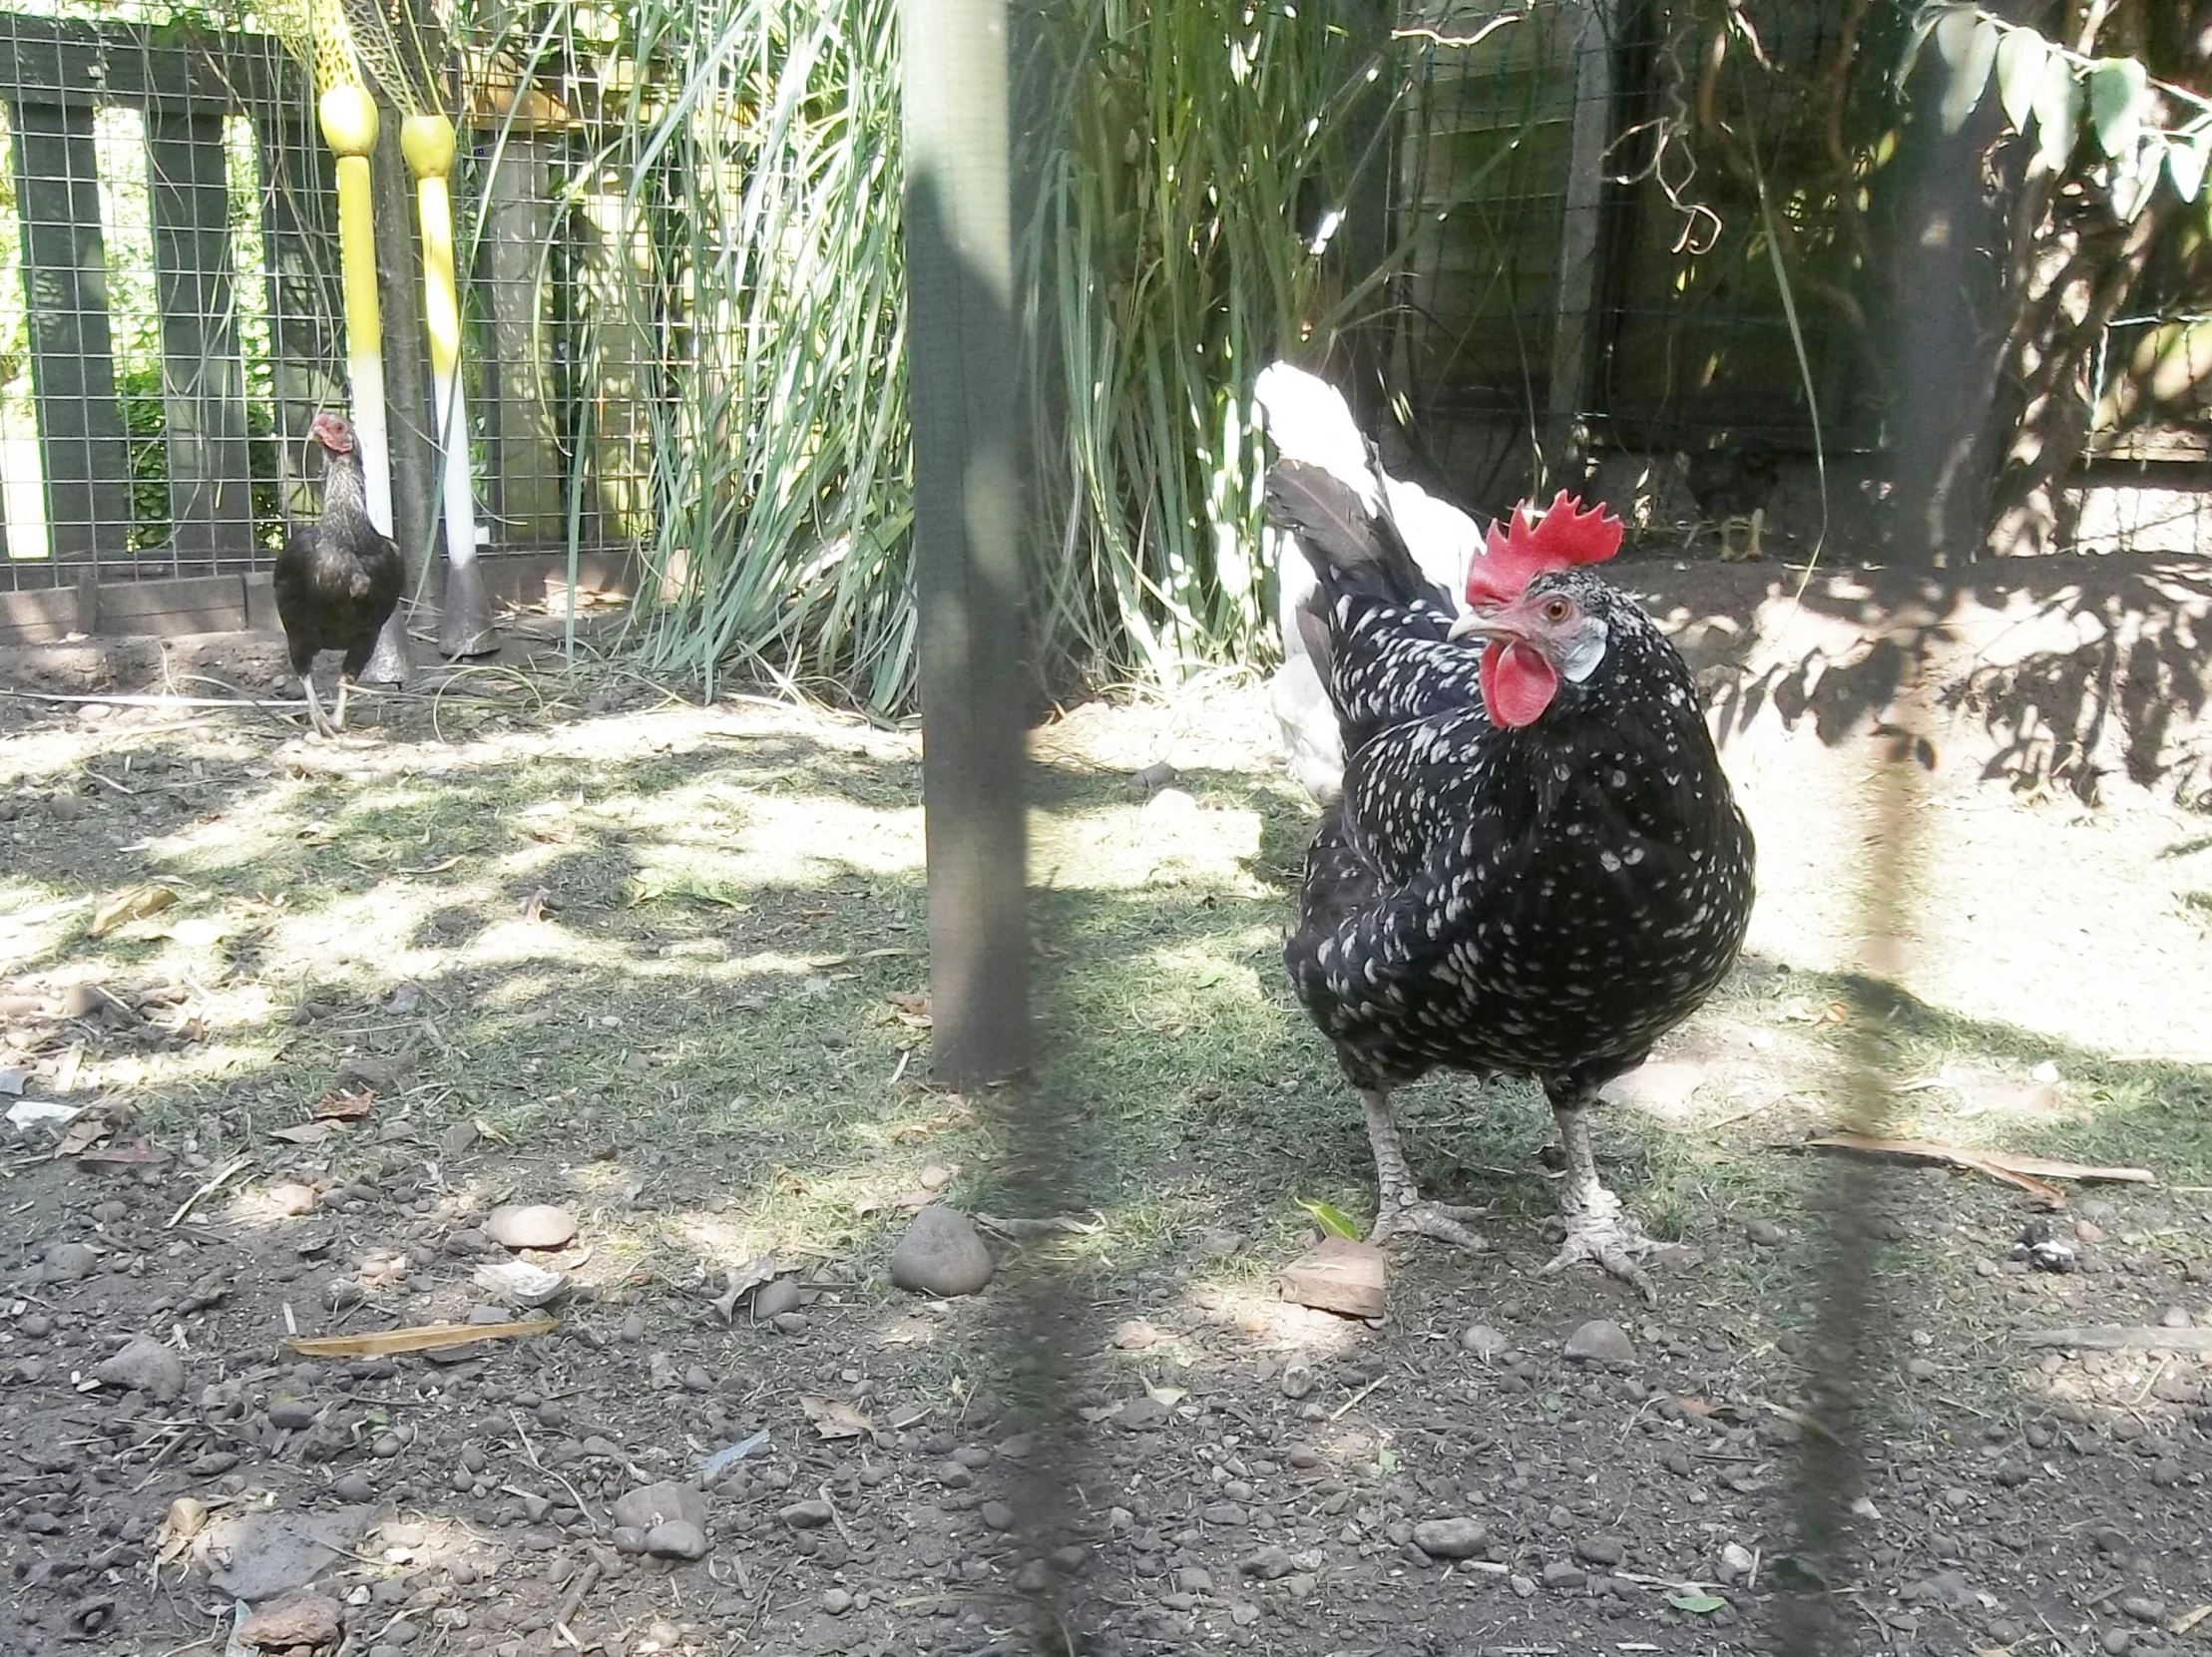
(350, 127)
(427, 141)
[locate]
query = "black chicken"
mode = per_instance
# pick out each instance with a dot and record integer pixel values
(1536, 866)
(338, 578)
(1731, 482)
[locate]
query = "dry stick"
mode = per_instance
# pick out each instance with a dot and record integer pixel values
(573, 1601)
(530, 1450)
(836, 1518)
(223, 1176)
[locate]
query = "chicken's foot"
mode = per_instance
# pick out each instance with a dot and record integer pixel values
(1398, 1205)
(1598, 1228)
(345, 683)
(317, 719)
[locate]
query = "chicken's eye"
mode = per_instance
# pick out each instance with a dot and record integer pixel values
(1557, 611)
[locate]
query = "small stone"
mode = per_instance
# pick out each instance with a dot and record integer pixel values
(1601, 1341)
(1269, 1564)
(2142, 1607)
(1194, 1579)
(1222, 1513)
(1297, 1379)
(1524, 1586)
(1484, 1341)
(299, 1620)
(1135, 1334)
(1452, 1538)
(1143, 1414)
(676, 1540)
(68, 1262)
(941, 1255)
(805, 1515)
(2175, 1317)
(629, 1539)
(291, 1414)
(1149, 781)
(354, 1489)
(775, 1298)
(1601, 1550)
(2113, 1642)
(1736, 1562)
(996, 1516)
(836, 1601)
(652, 1504)
(1559, 1574)
(1338, 1275)
(145, 1365)
(537, 1226)
(1765, 1233)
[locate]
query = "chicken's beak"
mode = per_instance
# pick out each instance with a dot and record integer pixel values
(1474, 625)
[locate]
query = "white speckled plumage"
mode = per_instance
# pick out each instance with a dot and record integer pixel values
(1546, 900)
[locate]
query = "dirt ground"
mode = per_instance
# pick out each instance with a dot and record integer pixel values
(545, 934)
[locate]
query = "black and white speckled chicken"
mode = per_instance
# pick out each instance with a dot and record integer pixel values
(1536, 866)
(1295, 406)
(1731, 482)
(338, 578)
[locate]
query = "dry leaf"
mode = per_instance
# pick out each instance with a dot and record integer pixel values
(139, 1153)
(533, 908)
(743, 1280)
(84, 1133)
(432, 1336)
(308, 1133)
(910, 1007)
(125, 907)
(337, 1106)
(833, 1418)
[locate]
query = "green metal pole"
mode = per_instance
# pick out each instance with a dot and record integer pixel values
(967, 513)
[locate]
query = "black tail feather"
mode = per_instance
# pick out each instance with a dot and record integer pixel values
(1351, 548)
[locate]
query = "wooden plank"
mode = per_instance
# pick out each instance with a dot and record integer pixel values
(42, 616)
(299, 240)
(967, 536)
(526, 486)
(620, 352)
(88, 461)
(163, 69)
(165, 609)
(1574, 295)
(203, 380)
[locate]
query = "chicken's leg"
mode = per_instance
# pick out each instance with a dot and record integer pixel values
(1398, 1205)
(345, 683)
(1758, 523)
(1599, 1229)
(316, 717)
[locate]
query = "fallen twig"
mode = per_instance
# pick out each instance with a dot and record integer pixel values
(2030, 1174)
(429, 1336)
(531, 1451)
(1066, 1223)
(573, 1601)
(222, 1177)
(2120, 1338)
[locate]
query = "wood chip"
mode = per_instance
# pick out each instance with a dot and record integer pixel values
(1338, 1275)
(417, 1338)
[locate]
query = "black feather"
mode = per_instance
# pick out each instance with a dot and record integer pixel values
(1351, 548)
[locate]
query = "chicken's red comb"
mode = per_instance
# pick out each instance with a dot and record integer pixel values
(1565, 535)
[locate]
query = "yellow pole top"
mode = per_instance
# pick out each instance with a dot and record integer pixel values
(348, 119)
(427, 143)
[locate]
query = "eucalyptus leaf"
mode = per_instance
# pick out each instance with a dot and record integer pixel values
(1922, 27)
(2185, 158)
(1332, 1220)
(1968, 46)
(2059, 100)
(2116, 91)
(1698, 1605)
(2021, 57)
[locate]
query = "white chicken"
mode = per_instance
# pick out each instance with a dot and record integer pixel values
(1307, 421)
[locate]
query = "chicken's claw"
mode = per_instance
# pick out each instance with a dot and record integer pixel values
(1605, 1235)
(1411, 1214)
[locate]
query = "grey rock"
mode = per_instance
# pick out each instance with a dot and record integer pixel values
(299, 1620)
(775, 1298)
(2142, 1608)
(1559, 1574)
(1269, 1564)
(676, 1540)
(1601, 1341)
(1452, 1538)
(805, 1515)
(628, 1538)
(68, 1262)
(643, 1509)
(837, 1601)
(1194, 1579)
(1601, 1550)
(996, 1516)
(942, 1254)
(1143, 1414)
(145, 1365)
(1484, 1341)
(1765, 1233)
(278, 1553)
(1525, 1586)
(354, 1489)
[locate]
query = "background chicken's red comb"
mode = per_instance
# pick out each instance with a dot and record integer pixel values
(1568, 536)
